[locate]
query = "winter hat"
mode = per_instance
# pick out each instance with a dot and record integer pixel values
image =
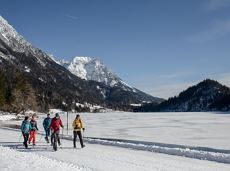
(77, 115)
(57, 115)
(26, 118)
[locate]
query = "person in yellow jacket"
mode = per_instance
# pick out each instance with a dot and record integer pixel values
(77, 126)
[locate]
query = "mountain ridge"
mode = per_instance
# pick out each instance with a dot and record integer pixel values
(52, 83)
(208, 95)
(91, 68)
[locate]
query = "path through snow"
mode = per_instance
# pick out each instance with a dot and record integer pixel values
(95, 157)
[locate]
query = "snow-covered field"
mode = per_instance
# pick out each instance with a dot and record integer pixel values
(207, 130)
(203, 129)
(7, 117)
(11, 159)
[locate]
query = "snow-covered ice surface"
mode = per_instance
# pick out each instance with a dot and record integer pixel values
(93, 157)
(201, 135)
(199, 129)
(205, 129)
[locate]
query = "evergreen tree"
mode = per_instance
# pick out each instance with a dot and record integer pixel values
(23, 95)
(2, 91)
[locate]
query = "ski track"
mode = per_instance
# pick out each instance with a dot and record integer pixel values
(222, 156)
(93, 157)
(203, 153)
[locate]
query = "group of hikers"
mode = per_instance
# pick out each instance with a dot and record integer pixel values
(52, 129)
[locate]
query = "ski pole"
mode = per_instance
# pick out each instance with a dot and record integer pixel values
(20, 138)
(40, 138)
(62, 137)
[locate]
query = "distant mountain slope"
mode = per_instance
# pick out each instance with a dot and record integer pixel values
(52, 84)
(208, 95)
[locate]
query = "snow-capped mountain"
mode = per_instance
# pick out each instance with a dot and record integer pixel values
(52, 83)
(11, 37)
(18, 43)
(62, 62)
(93, 69)
(89, 68)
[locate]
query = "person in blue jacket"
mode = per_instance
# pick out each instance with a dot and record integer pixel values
(25, 128)
(46, 125)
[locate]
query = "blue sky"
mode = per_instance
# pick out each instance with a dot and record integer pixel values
(158, 46)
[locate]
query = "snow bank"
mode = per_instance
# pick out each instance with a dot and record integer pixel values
(30, 113)
(203, 153)
(93, 108)
(11, 160)
(7, 117)
(54, 111)
(136, 105)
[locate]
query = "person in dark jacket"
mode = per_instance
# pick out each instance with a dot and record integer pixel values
(25, 128)
(77, 126)
(33, 130)
(46, 125)
(55, 125)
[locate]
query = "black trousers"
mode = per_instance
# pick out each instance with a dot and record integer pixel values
(26, 138)
(58, 137)
(75, 134)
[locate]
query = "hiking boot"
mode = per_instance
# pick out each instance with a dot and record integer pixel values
(83, 146)
(47, 139)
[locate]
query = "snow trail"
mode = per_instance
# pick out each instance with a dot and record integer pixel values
(101, 157)
(11, 159)
(202, 153)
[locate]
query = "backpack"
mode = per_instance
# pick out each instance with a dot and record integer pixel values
(33, 125)
(46, 123)
(25, 127)
(77, 124)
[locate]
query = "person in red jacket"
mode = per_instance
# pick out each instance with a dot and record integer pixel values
(55, 125)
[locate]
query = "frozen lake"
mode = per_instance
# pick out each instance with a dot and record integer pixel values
(206, 129)
(193, 128)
